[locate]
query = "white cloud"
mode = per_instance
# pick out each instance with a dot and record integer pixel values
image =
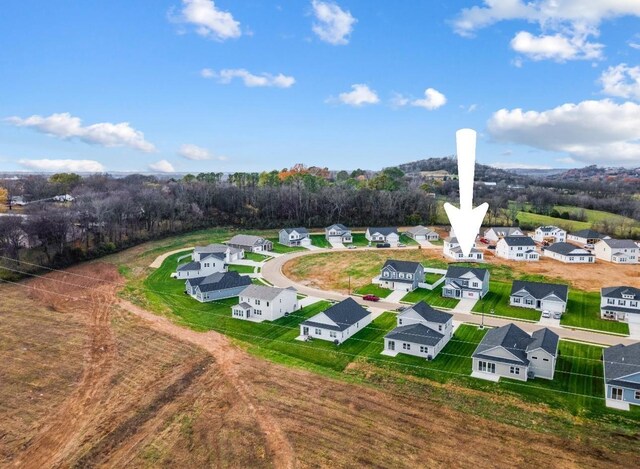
(634, 45)
(432, 100)
(162, 166)
(76, 166)
(566, 25)
(516, 165)
(359, 96)
(226, 76)
(621, 81)
(566, 160)
(66, 126)
(196, 153)
(591, 131)
(333, 24)
(209, 21)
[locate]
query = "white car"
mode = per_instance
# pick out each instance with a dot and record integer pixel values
(351, 246)
(546, 314)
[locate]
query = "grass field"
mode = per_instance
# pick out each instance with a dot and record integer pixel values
(496, 302)
(372, 289)
(241, 269)
(320, 240)
(281, 248)
(583, 311)
(254, 256)
(431, 297)
(432, 278)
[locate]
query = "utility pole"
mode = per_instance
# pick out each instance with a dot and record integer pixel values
(349, 284)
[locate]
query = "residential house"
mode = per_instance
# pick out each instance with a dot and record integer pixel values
(230, 254)
(422, 331)
(620, 303)
(63, 198)
(618, 251)
(400, 275)
(259, 303)
(622, 375)
(510, 352)
(517, 248)
(550, 297)
(422, 233)
(550, 234)
(466, 282)
(338, 233)
(294, 237)
(451, 248)
(250, 243)
(586, 237)
(208, 265)
(383, 235)
(337, 323)
(495, 233)
(569, 253)
(217, 286)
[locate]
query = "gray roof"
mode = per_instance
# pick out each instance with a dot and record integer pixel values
(617, 292)
(587, 234)
(621, 361)
(217, 255)
(244, 305)
(517, 342)
(429, 314)
(504, 230)
(546, 340)
(247, 240)
(567, 248)
(519, 241)
(189, 266)
(549, 228)
(262, 292)
(300, 230)
(416, 333)
(383, 231)
(343, 314)
(402, 266)
(619, 243)
(419, 230)
(540, 290)
(338, 226)
(454, 271)
(220, 281)
(214, 248)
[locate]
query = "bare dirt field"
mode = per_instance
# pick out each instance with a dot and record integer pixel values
(106, 384)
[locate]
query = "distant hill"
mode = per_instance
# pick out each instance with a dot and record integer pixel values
(449, 164)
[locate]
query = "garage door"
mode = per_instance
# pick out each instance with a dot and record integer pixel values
(634, 325)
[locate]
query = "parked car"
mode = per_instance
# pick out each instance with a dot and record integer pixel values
(383, 245)
(491, 247)
(484, 240)
(557, 315)
(546, 314)
(370, 298)
(351, 246)
(401, 308)
(402, 245)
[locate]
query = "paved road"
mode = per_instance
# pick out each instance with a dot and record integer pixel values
(272, 271)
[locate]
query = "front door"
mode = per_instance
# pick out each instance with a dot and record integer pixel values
(392, 345)
(616, 393)
(305, 330)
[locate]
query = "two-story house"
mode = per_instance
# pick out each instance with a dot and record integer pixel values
(294, 237)
(400, 275)
(231, 254)
(206, 265)
(259, 303)
(383, 235)
(618, 251)
(620, 303)
(550, 297)
(496, 233)
(466, 282)
(550, 234)
(422, 332)
(451, 248)
(517, 248)
(622, 375)
(338, 233)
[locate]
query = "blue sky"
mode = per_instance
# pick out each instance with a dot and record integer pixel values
(174, 70)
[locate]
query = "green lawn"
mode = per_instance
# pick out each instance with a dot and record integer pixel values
(496, 301)
(320, 241)
(404, 239)
(431, 297)
(281, 248)
(241, 269)
(359, 239)
(432, 278)
(254, 256)
(372, 289)
(583, 310)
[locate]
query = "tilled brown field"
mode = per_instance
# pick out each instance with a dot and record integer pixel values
(106, 384)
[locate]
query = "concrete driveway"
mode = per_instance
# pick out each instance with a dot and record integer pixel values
(395, 296)
(634, 326)
(466, 305)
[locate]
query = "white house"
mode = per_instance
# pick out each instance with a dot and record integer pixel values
(259, 303)
(550, 234)
(620, 303)
(422, 233)
(510, 352)
(337, 323)
(618, 251)
(338, 233)
(216, 286)
(211, 264)
(569, 253)
(517, 248)
(622, 375)
(496, 233)
(550, 297)
(466, 282)
(294, 237)
(586, 237)
(383, 235)
(400, 275)
(451, 248)
(422, 331)
(230, 254)
(250, 243)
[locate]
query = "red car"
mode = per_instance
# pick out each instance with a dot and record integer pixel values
(370, 298)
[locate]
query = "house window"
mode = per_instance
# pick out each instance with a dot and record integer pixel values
(440, 327)
(476, 285)
(516, 300)
(257, 302)
(617, 394)
(637, 396)
(611, 301)
(333, 334)
(633, 304)
(424, 349)
(534, 358)
(514, 370)
(406, 346)
(318, 331)
(528, 301)
(399, 321)
(267, 303)
(486, 367)
(545, 359)
(621, 302)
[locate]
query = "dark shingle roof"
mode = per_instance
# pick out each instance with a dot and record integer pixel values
(429, 314)
(591, 234)
(621, 361)
(504, 230)
(247, 240)
(540, 290)
(567, 248)
(189, 266)
(262, 292)
(519, 241)
(457, 272)
(617, 292)
(222, 281)
(620, 243)
(383, 231)
(402, 266)
(338, 226)
(302, 231)
(549, 228)
(546, 340)
(217, 255)
(416, 333)
(517, 342)
(343, 314)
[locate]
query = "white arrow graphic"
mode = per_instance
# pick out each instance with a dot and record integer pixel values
(466, 220)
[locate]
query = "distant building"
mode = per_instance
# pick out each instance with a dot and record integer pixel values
(259, 303)
(540, 296)
(422, 233)
(495, 233)
(401, 275)
(569, 253)
(517, 248)
(294, 237)
(217, 286)
(618, 251)
(383, 235)
(338, 233)
(620, 303)
(250, 243)
(550, 234)
(451, 248)
(585, 237)
(337, 323)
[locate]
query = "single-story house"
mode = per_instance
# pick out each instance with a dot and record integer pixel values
(569, 253)
(622, 375)
(250, 243)
(337, 323)
(383, 235)
(422, 233)
(510, 352)
(495, 233)
(517, 248)
(451, 248)
(400, 275)
(231, 254)
(551, 297)
(466, 282)
(294, 237)
(211, 264)
(217, 286)
(550, 234)
(618, 251)
(620, 303)
(338, 233)
(261, 303)
(586, 237)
